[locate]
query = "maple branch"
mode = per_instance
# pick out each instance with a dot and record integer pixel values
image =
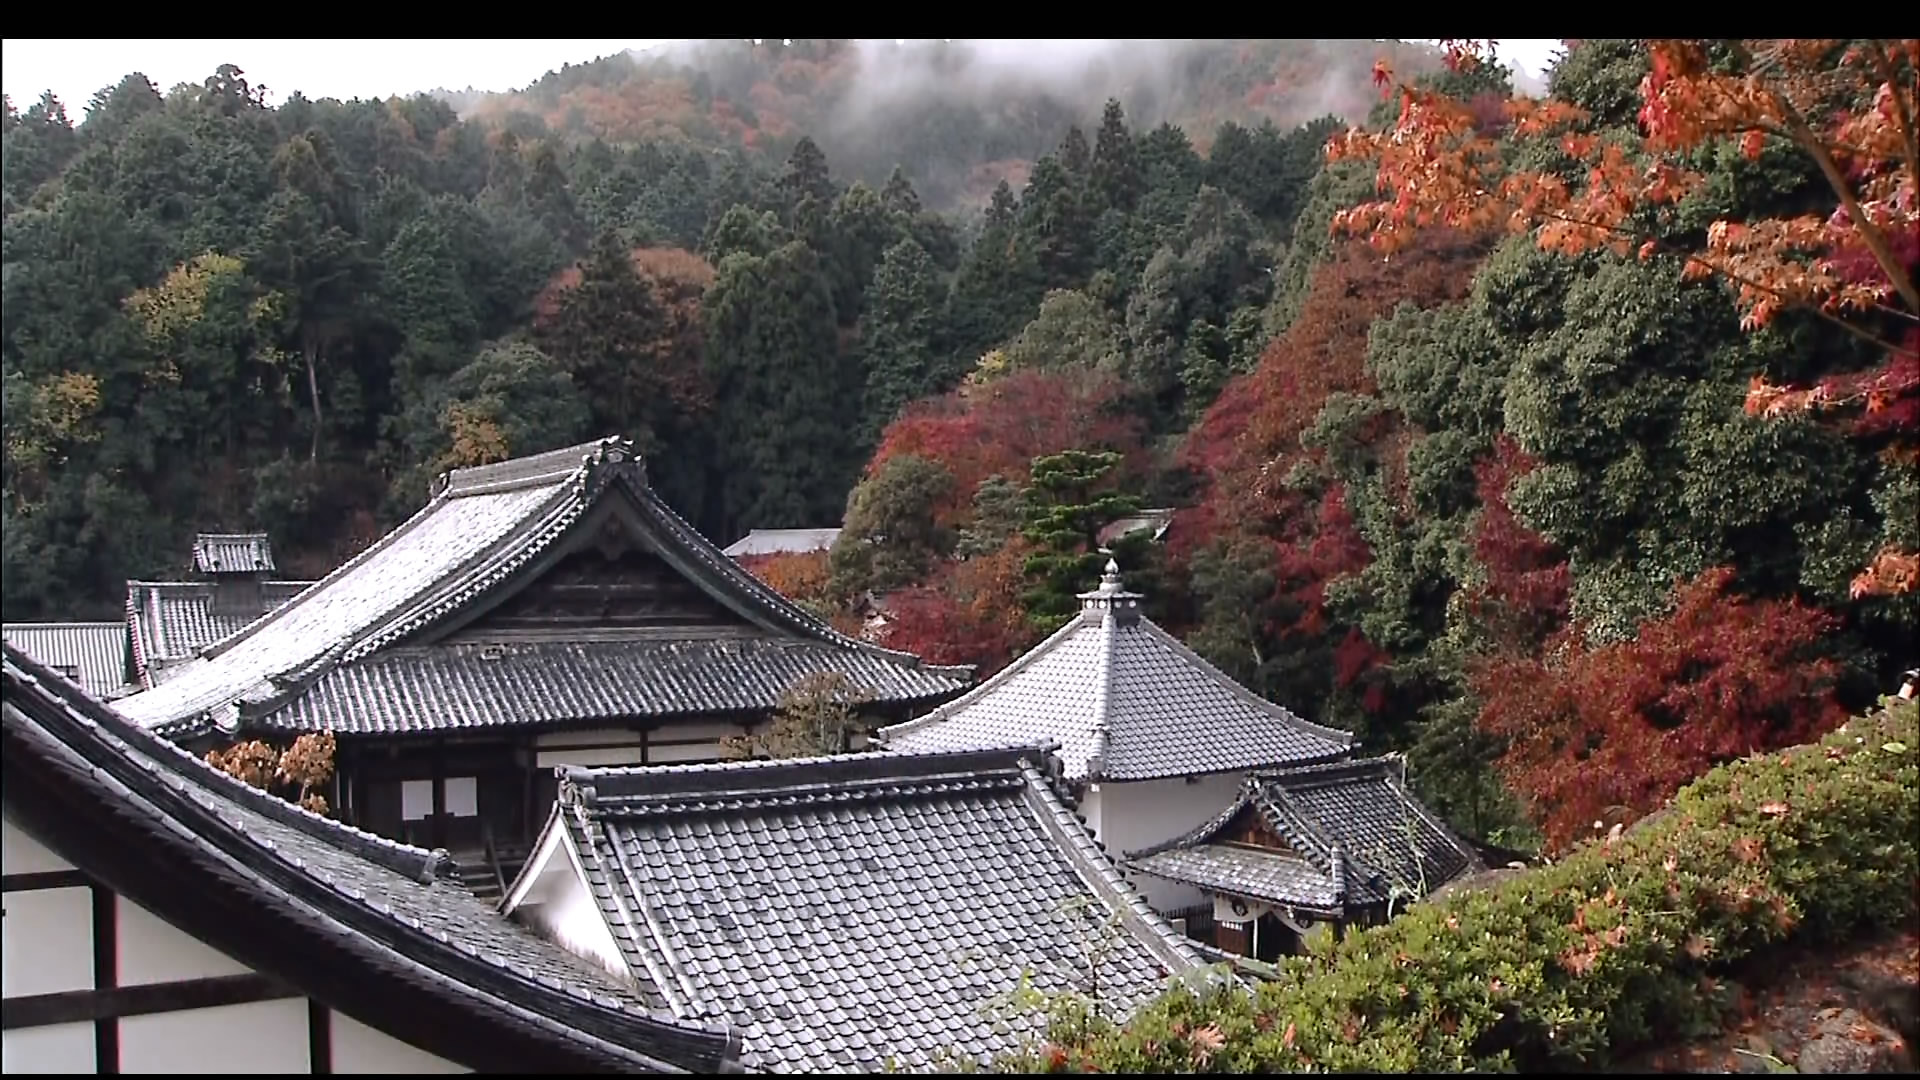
(1908, 139)
(1737, 279)
(1869, 232)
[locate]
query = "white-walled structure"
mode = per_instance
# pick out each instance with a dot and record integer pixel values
(161, 916)
(848, 912)
(1155, 739)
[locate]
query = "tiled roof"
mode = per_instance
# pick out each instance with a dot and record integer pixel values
(396, 907)
(1126, 701)
(482, 526)
(93, 654)
(781, 541)
(521, 684)
(228, 553)
(848, 912)
(172, 621)
(1272, 876)
(1355, 822)
(1154, 521)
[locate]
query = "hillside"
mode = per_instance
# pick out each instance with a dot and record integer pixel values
(959, 116)
(1534, 499)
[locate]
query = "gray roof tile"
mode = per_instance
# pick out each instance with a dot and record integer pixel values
(93, 654)
(526, 684)
(171, 621)
(405, 885)
(1126, 701)
(781, 542)
(481, 527)
(1359, 829)
(229, 553)
(849, 910)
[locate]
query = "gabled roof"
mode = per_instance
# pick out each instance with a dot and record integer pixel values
(1126, 701)
(381, 931)
(483, 531)
(1154, 520)
(232, 553)
(93, 654)
(171, 621)
(844, 912)
(1357, 836)
(781, 542)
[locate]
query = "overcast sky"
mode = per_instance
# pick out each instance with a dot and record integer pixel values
(75, 69)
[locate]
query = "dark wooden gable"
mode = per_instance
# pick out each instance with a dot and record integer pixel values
(606, 580)
(1249, 828)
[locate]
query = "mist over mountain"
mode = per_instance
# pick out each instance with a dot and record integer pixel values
(957, 115)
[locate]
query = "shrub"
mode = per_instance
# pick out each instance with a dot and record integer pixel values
(1559, 967)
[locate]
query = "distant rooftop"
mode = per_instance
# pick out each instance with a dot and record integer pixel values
(232, 553)
(781, 542)
(1154, 521)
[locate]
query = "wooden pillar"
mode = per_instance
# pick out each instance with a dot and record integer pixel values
(438, 829)
(527, 822)
(1237, 940)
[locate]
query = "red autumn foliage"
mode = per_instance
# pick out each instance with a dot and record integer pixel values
(796, 575)
(969, 613)
(1600, 733)
(1848, 107)
(678, 276)
(1001, 426)
(1526, 594)
(1250, 437)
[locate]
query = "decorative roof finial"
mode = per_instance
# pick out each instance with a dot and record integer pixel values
(1112, 596)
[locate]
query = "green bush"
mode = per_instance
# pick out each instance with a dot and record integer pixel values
(1558, 967)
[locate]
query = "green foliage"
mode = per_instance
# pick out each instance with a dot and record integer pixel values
(1071, 498)
(819, 714)
(890, 537)
(1568, 966)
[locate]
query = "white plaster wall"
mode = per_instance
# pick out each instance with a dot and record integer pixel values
(358, 1048)
(672, 755)
(46, 942)
(1148, 812)
(1090, 809)
(57, 1048)
(260, 1037)
(617, 755)
(560, 909)
(152, 951)
(593, 737)
(22, 854)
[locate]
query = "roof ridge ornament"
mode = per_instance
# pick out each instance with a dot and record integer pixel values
(1111, 599)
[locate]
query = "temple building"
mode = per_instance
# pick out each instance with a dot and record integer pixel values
(1154, 739)
(544, 611)
(169, 622)
(859, 912)
(1343, 843)
(161, 916)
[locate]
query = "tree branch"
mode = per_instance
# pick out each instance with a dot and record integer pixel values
(1869, 232)
(1908, 138)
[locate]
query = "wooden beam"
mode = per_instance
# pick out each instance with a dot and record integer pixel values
(44, 879)
(105, 1006)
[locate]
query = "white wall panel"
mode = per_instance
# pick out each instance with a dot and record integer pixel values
(261, 1037)
(358, 1048)
(614, 755)
(22, 854)
(57, 1048)
(152, 951)
(46, 941)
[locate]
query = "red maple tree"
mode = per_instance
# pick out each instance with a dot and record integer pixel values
(1002, 425)
(1602, 733)
(1850, 106)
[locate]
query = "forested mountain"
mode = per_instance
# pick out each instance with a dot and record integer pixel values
(1495, 503)
(963, 115)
